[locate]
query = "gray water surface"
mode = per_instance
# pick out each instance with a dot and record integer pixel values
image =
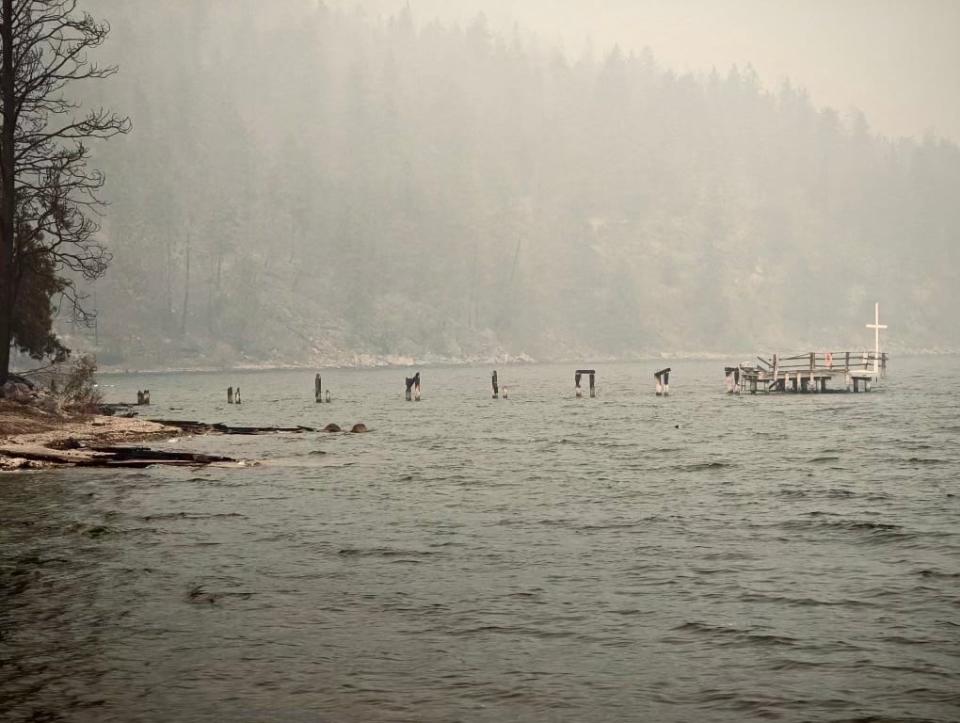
(701, 557)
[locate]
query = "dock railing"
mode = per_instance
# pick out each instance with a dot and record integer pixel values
(810, 371)
(837, 361)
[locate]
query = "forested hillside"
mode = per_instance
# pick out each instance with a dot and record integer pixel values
(305, 185)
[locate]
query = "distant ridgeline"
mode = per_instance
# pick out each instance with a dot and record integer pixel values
(306, 185)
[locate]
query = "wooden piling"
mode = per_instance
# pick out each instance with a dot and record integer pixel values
(229, 395)
(317, 396)
(576, 381)
(413, 388)
(663, 382)
(732, 379)
(496, 387)
(236, 396)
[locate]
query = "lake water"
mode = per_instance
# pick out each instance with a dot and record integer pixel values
(700, 557)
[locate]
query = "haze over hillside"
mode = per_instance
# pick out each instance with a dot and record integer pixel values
(897, 61)
(306, 184)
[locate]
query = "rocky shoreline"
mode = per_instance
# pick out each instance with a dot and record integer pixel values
(34, 438)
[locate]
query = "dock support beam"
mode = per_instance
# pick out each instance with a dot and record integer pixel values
(413, 388)
(663, 382)
(576, 382)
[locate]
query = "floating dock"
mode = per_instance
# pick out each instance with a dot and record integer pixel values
(815, 372)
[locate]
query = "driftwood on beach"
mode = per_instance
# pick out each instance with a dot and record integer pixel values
(109, 456)
(191, 427)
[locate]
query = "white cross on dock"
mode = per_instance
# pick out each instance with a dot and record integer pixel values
(876, 326)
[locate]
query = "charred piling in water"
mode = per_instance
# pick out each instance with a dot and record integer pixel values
(578, 375)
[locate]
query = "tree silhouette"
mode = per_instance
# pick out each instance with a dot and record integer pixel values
(48, 193)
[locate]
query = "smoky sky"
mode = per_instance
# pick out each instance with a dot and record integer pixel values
(896, 60)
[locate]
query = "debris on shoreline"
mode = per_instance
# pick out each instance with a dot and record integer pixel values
(33, 438)
(22, 456)
(190, 427)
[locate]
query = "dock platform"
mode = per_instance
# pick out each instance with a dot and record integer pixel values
(811, 372)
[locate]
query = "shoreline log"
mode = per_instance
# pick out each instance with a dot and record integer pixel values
(134, 457)
(191, 427)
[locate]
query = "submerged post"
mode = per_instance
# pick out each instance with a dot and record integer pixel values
(732, 379)
(663, 382)
(146, 397)
(496, 387)
(236, 396)
(316, 390)
(579, 375)
(413, 388)
(229, 395)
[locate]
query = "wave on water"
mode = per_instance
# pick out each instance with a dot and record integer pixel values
(703, 466)
(827, 522)
(384, 552)
(536, 561)
(732, 636)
